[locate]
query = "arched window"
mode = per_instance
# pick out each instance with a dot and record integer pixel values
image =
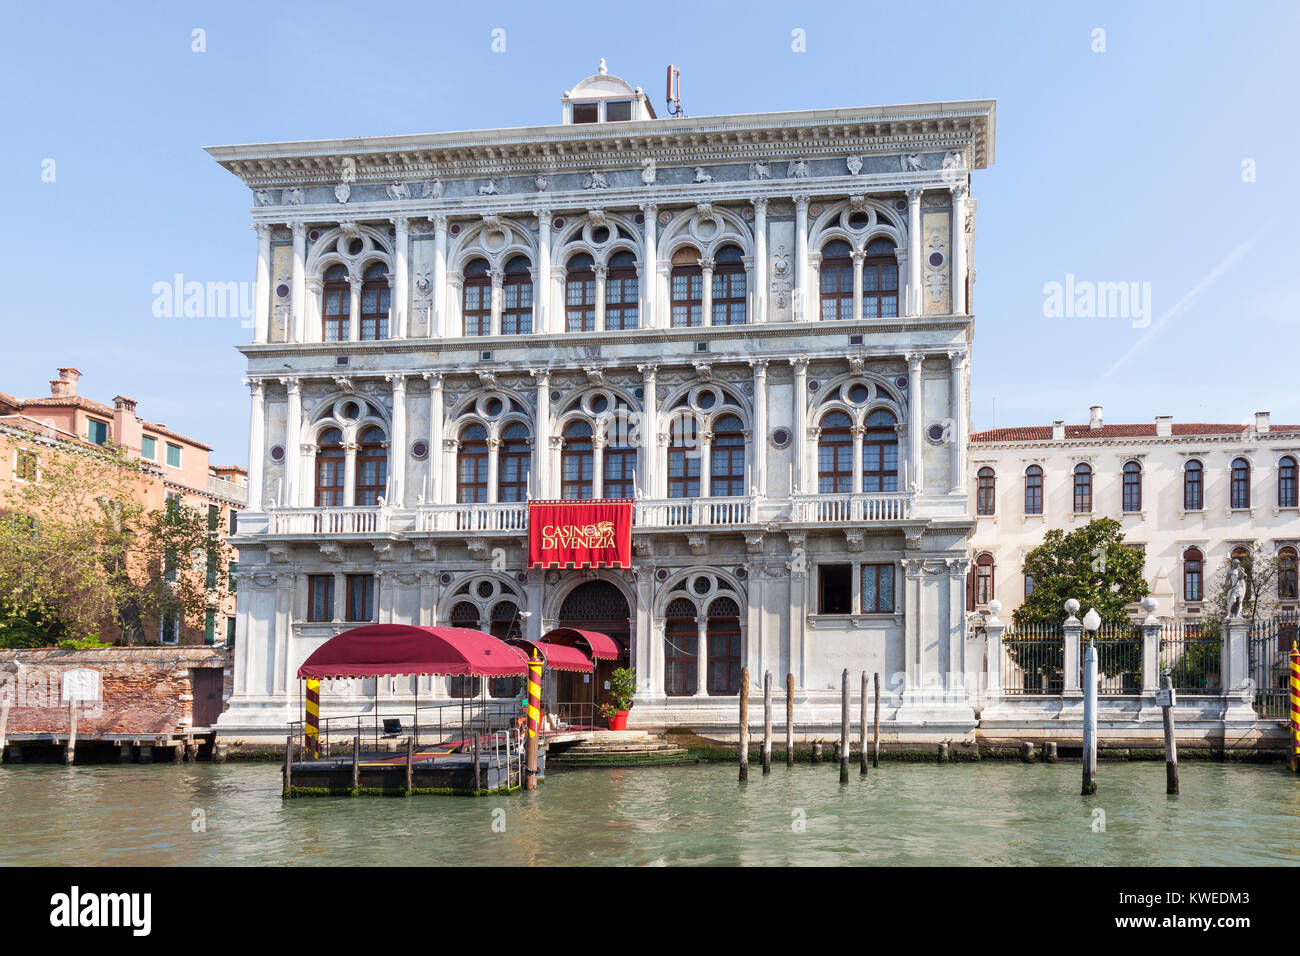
(984, 491)
(505, 624)
(580, 294)
(1193, 486)
(1286, 482)
(516, 298)
(880, 280)
(727, 457)
(835, 454)
(372, 466)
(514, 463)
(376, 300)
(979, 581)
(728, 287)
(472, 465)
(1193, 574)
(684, 460)
(336, 303)
(880, 452)
(618, 467)
(330, 468)
(1082, 489)
(577, 462)
(1286, 574)
(1240, 483)
(681, 642)
(1033, 490)
(1132, 486)
(724, 647)
(464, 614)
(622, 292)
(686, 308)
(476, 299)
(836, 281)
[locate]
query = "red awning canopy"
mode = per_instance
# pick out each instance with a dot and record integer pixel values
(558, 657)
(601, 646)
(391, 650)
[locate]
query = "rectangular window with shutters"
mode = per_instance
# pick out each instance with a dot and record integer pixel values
(26, 465)
(230, 631)
(877, 589)
(97, 431)
(173, 455)
(210, 627)
(149, 448)
(320, 597)
(361, 597)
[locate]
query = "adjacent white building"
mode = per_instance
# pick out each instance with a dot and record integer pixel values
(1187, 494)
(757, 326)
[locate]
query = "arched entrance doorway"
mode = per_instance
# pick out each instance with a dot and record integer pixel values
(596, 606)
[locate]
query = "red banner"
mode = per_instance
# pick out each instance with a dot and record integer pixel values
(577, 534)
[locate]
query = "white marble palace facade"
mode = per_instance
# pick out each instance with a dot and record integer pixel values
(776, 305)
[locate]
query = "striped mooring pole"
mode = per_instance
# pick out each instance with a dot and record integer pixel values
(311, 725)
(1295, 708)
(534, 719)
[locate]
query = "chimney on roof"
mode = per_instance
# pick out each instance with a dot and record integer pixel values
(1058, 430)
(127, 430)
(1261, 423)
(1094, 417)
(65, 386)
(1164, 426)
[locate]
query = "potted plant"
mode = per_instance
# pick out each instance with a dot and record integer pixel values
(622, 686)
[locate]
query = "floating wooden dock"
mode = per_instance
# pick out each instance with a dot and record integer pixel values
(439, 769)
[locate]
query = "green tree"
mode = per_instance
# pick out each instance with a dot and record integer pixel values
(1090, 564)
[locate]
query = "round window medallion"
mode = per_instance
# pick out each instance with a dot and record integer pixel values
(859, 220)
(392, 232)
(901, 381)
(522, 577)
(640, 218)
(558, 224)
(314, 235)
(741, 572)
(814, 210)
(445, 577)
(780, 437)
(661, 574)
(900, 205)
(355, 247)
(859, 394)
(281, 290)
(707, 399)
(936, 259)
(493, 407)
(700, 585)
(484, 589)
(599, 403)
(600, 235)
(351, 411)
(814, 385)
(639, 393)
(419, 449)
(455, 229)
(277, 453)
(934, 432)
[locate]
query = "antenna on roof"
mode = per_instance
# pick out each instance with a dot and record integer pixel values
(674, 92)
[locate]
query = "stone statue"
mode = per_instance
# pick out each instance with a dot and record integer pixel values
(1236, 588)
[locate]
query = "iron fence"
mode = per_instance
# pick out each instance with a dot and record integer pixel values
(1119, 659)
(1033, 660)
(1270, 644)
(1192, 652)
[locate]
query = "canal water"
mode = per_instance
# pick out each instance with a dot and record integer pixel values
(988, 813)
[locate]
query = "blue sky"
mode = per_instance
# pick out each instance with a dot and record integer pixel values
(1122, 165)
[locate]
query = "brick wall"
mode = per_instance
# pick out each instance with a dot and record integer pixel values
(139, 690)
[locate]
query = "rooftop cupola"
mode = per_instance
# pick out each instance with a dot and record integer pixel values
(604, 98)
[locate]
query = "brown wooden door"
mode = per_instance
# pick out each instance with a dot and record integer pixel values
(207, 696)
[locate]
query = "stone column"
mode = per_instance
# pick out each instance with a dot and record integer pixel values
(801, 294)
(663, 295)
(759, 296)
(350, 474)
(262, 286)
(1150, 651)
(541, 481)
(914, 252)
(256, 443)
(542, 283)
(298, 284)
(438, 323)
(601, 273)
(915, 424)
(312, 329)
(706, 467)
(597, 465)
(856, 432)
(706, 293)
(646, 632)
(354, 309)
(552, 465)
(798, 619)
(494, 466)
(649, 428)
(857, 257)
(292, 443)
(1073, 637)
(450, 454)
(1234, 662)
(401, 278)
(758, 443)
(959, 250)
(494, 320)
(799, 403)
(649, 264)
(702, 657)
(397, 447)
(435, 437)
(959, 420)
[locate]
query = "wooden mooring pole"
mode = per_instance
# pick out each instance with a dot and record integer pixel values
(744, 724)
(862, 727)
(767, 722)
(1090, 719)
(875, 732)
(1295, 707)
(4, 728)
(410, 764)
(844, 726)
(69, 754)
(288, 765)
(1166, 700)
(789, 720)
(356, 763)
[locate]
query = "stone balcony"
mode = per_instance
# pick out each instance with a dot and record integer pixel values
(648, 514)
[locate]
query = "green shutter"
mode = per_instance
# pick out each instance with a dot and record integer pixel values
(210, 627)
